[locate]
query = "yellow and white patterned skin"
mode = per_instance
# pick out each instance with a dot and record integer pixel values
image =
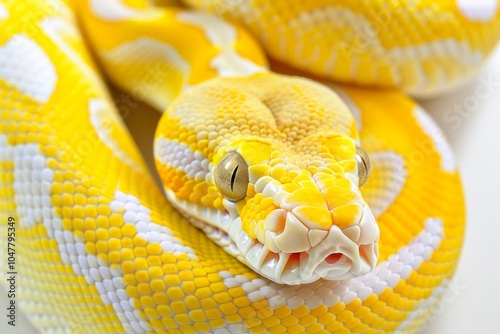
(422, 47)
(100, 249)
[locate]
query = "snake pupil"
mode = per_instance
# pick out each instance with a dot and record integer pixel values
(233, 177)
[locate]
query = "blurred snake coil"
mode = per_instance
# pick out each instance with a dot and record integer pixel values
(273, 112)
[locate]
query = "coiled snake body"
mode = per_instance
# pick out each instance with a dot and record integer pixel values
(268, 166)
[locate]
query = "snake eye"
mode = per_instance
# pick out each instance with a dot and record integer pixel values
(231, 177)
(364, 165)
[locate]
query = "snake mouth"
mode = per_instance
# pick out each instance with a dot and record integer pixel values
(336, 257)
(340, 255)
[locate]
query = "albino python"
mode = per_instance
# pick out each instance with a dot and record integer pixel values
(271, 167)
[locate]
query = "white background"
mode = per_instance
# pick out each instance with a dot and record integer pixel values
(473, 303)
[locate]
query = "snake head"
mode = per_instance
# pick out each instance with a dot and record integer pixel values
(285, 202)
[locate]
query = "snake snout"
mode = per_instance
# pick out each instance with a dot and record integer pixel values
(347, 253)
(294, 251)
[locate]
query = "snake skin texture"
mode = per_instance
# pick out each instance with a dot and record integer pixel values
(422, 47)
(100, 249)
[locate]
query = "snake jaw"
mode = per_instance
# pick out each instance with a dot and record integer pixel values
(332, 253)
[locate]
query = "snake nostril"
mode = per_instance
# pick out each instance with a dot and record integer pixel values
(333, 258)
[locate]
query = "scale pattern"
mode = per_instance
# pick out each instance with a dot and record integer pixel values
(423, 47)
(99, 247)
